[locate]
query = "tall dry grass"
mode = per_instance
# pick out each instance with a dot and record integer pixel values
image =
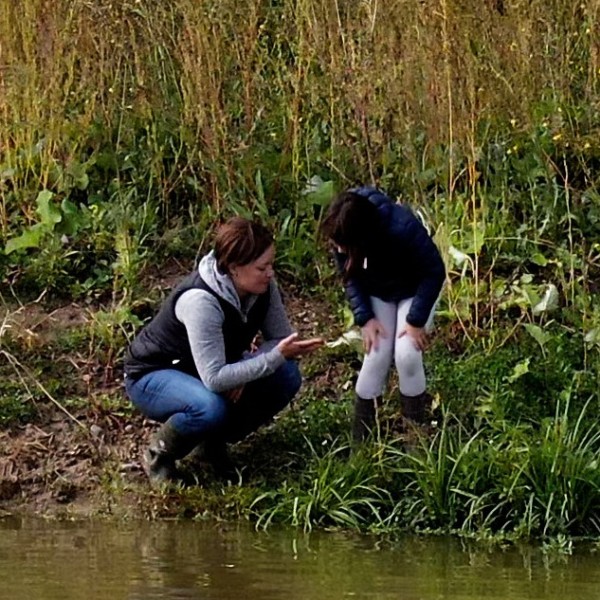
(363, 87)
(485, 113)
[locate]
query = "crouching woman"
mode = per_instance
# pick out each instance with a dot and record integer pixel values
(194, 367)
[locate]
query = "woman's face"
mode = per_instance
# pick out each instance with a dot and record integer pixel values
(254, 278)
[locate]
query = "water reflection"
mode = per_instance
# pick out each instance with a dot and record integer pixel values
(134, 561)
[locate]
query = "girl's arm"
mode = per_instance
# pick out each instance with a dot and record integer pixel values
(359, 301)
(430, 265)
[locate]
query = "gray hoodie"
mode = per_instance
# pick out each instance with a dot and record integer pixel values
(202, 316)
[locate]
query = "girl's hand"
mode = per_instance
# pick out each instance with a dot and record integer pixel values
(417, 335)
(372, 330)
(292, 347)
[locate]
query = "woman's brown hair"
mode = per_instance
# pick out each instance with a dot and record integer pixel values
(240, 241)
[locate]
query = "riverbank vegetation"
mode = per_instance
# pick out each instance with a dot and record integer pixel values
(127, 128)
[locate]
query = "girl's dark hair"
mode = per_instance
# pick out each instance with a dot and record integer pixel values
(351, 221)
(240, 241)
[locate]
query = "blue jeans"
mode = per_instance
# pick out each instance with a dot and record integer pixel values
(195, 411)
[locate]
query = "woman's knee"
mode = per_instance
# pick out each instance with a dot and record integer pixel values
(209, 412)
(408, 359)
(203, 414)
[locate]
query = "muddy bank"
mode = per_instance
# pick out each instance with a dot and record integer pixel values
(77, 447)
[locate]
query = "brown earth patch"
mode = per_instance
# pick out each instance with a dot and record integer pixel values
(61, 461)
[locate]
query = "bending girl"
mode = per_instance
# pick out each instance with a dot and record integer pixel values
(393, 274)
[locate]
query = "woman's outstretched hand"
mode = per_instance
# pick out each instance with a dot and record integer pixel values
(292, 347)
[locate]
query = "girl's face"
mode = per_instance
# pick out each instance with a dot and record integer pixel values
(254, 278)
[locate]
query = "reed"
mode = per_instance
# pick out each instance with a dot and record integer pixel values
(329, 493)
(205, 94)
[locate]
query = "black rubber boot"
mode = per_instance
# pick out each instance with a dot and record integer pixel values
(365, 418)
(416, 409)
(217, 455)
(165, 448)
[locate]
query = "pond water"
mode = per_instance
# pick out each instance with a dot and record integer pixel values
(98, 560)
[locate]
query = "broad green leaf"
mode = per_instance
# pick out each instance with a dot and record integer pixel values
(30, 238)
(538, 334)
(351, 338)
(520, 369)
(548, 302)
(78, 174)
(318, 192)
(71, 217)
(49, 213)
(472, 238)
(539, 259)
(82, 182)
(458, 257)
(592, 337)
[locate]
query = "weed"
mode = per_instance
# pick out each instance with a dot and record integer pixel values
(331, 492)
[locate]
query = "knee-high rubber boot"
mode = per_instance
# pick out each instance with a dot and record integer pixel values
(365, 418)
(217, 455)
(416, 409)
(166, 447)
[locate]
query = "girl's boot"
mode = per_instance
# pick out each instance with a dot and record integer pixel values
(365, 418)
(416, 409)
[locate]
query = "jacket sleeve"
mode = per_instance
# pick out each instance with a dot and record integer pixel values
(430, 264)
(360, 303)
(276, 325)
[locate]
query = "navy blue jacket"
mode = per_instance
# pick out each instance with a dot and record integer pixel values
(402, 262)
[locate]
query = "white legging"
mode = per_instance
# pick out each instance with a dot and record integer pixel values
(409, 361)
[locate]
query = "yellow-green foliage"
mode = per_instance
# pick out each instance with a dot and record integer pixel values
(134, 117)
(341, 78)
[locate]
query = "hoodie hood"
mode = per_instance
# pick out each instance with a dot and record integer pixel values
(385, 207)
(222, 284)
(219, 282)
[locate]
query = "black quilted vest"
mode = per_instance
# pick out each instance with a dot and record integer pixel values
(163, 343)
